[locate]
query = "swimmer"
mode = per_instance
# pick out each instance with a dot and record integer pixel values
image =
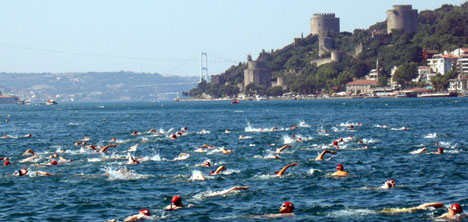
(293, 127)
(113, 140)
(176, 203)
(104, 149)
(208, 146)
(269, 157)
(419, 151)
(227, 131)
(281, 172)
(92, 147)
(424, 206)
(151, 131)
(85, 139)
(205, 163)
(133, 148)
(53, 162)
(27, 135)
(339, 171)
(218, 171)
(80, 143)
(200, 150)
(320, 156)
(286, 210)
(182, 156)
(279, 150)
(134, 133)
(132, 160)
(173, 137)
(6, 163)
(224, 192)
(439, 151)
(203, 131)
(389, 184)
(5, 137)
(454, 212)
(335, 143)
(25, 171)
(143, 214)
(29, 159)
(226, 151)
(351, 127)
(274, 128)
(29, 152)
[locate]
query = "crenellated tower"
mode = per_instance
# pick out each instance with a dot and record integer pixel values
(402, 17)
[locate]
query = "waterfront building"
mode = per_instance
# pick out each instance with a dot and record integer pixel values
(361, 87)
(442, 63)
(257, 73)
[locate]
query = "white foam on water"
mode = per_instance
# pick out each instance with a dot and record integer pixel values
(431, 136)
(123, 174)
(351, 213)
(303, 124)
(197, 175)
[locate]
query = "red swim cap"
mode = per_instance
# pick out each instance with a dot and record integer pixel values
(441, 150)
(176, 200)
(6, 163)
(53, 162)
(289, 207)
(341, 140)
(456, 208)
(335, 143)
(145, 212)
(339, 167)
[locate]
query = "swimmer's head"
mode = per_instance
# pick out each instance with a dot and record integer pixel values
(177, 200)
(335, 143)
(339, 167)
(440, 150)
(22, 172)
(53, 162)
(207, 163)
(6, 163)
(457, 208)
(286, 207)
(391, 183)
(145, 212)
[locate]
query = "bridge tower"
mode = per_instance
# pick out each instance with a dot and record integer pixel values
(204, 67)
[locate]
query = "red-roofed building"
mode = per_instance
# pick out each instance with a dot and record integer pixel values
(361, 87)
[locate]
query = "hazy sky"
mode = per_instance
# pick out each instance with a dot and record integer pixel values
(164, 36)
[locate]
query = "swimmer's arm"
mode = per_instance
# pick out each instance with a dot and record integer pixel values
(426, 205)
(219, 169)
(42, 173)
(321, 155)
(285, 168)
(132, 218)
(282, 148)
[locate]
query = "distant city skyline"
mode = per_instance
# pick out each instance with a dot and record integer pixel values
(164, 37)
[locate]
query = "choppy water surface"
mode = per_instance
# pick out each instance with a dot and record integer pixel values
(80, 190)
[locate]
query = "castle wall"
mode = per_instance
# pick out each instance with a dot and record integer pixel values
(402, 17)
(257, 74)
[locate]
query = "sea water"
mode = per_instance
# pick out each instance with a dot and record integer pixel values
(101, 186)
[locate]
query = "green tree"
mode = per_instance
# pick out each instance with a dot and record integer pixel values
(274, 91)
(405, 73)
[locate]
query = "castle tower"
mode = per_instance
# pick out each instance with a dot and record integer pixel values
(322, 25)
(257, 73)
(402, 17)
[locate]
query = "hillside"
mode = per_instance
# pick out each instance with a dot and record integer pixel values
(445, 28)
(93, 86)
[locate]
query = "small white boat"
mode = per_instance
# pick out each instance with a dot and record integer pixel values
(51, 102)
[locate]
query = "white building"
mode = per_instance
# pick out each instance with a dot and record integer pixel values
(462, 62)
(424, 75)
(459, 85)
(442, 63)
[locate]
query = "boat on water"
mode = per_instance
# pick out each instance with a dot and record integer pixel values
(235, 101)
(51, 102)
(7, 99)
(446, 94)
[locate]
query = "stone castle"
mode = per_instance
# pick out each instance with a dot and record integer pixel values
(402, 17)
(323, 25)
